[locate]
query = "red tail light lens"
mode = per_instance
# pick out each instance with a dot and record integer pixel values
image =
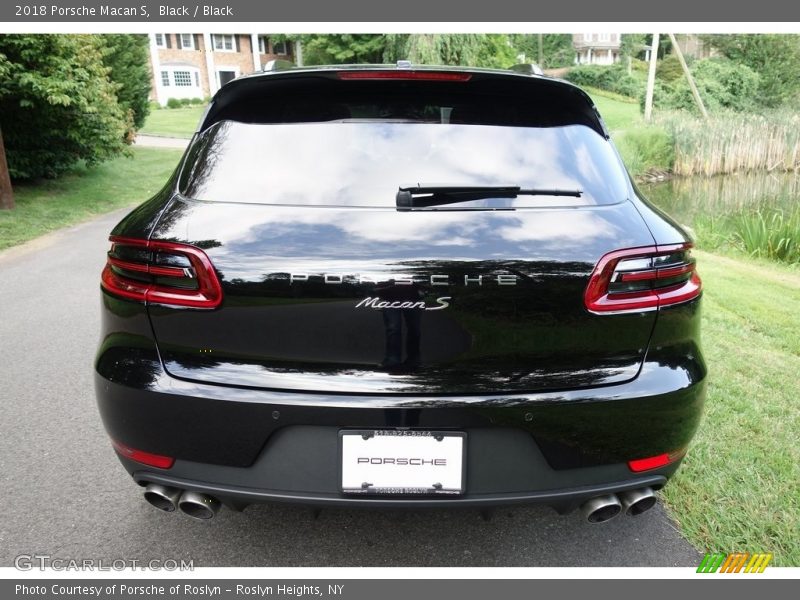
(161, 273)
(414, 75)
(654, 462)
(146, 458)
(639, 279)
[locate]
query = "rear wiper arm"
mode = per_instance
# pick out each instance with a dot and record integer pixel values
(420, 196)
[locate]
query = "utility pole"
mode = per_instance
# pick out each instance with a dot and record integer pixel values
(698, 100)
(651, 80)
(6, 192)
(541, 52)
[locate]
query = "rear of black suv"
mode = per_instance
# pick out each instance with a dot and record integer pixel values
(381, 287)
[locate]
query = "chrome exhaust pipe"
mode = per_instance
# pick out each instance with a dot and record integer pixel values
(635, 502)
(162, 497)
(199, 506)
(601, 509)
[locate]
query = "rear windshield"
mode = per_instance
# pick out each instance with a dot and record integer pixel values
(349, 160)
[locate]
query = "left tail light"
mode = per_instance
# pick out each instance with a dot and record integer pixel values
(157, 272)
(637, 279)
(140, 456)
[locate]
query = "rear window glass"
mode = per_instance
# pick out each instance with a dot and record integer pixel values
(361, 158)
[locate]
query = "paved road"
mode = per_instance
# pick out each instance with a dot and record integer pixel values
(65, 495)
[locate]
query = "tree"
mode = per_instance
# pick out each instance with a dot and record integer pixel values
(126, 56)
(57, 104)
(773, 56)
(476, 50)
(345, 48)
(557, 49)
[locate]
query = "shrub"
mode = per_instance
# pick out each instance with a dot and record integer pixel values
(57, 104)
(173, 103)
(127, 58)
(197, 101)
(646, 149)
(186, 101)
(722, 84)
(612, 78)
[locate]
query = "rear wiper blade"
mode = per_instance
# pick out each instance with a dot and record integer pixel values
(420, 196)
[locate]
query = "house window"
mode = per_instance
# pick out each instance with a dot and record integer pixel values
(160, 41)
(182, 78)
(165, 78)
(279, 48)
(263, 44)
(187, 41)
(223, 43)
(196, 79)
(604, 37)
(587, 37)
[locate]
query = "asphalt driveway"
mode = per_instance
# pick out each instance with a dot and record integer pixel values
(65, 494)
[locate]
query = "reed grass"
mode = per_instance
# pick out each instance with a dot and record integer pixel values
(734, 143)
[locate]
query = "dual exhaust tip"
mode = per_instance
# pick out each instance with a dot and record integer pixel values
(194, 504)
(631, 503)
(204, 507)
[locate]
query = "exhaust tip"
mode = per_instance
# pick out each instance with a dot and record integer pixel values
(636, 502)
(162, 497)
(601, 509)
(199, 506)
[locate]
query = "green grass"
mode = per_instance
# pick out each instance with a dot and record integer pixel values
(48, 205)
(173, 122)
(739, 487)
(619, 113)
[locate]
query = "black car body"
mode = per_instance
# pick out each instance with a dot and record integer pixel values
(384, 286)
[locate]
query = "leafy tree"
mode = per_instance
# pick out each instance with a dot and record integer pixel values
(57, 104)
(557, 49)
(722, 84)
(774, 57)
(127, 58)
(342, 48)
(632, 44)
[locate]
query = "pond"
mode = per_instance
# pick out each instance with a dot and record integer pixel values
(757, 213)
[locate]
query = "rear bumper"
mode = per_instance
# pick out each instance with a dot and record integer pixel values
(558, 448)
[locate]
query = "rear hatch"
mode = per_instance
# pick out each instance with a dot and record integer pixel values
(329, 286)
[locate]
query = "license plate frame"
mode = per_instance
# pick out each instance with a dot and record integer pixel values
(407, 483)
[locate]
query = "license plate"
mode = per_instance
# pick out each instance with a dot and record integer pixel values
(398, 462)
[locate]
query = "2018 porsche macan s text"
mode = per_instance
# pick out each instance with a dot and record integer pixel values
(400, 286)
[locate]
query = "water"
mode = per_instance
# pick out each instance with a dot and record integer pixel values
(755, 213)
(694, 200)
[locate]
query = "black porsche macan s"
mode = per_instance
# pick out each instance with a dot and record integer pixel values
(400, 286)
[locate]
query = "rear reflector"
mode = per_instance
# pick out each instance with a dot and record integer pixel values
(654, 462)
(415, 75)
(146, 458)
(161, 273)
(647, 278)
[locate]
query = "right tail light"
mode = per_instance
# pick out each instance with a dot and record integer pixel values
(637, 279)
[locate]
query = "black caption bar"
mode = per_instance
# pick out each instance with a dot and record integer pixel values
(449, 11)
(369, 589)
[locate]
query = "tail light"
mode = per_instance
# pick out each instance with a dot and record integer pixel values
(413, 75)
(639, 279)
(140, 456)
(161, 273)
(655, 462)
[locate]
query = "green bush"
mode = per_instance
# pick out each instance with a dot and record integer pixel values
(612, 78)
(197, 101)
(646, 149)
(128, 60)
(722, 84)
(173, 103)
(186, 101)
(57, 104)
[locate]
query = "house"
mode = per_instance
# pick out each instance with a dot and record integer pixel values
(196, 65)
(596, 48)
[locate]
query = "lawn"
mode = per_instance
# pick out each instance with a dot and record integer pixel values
(173, 122)
(739, 487)
(85, 192)
(618, 112)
